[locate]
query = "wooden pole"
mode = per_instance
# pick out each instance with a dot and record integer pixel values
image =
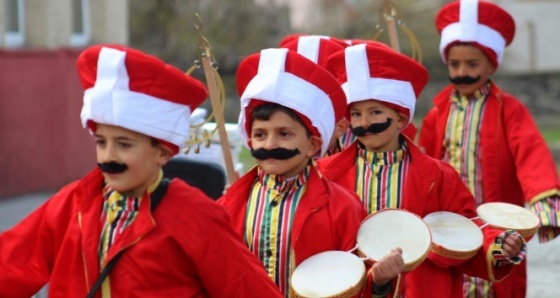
(218, 115)
(393, 36)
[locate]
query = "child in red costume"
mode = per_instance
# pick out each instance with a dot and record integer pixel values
(387, 170)
(488, 135)
(284, 208)
(138, 110)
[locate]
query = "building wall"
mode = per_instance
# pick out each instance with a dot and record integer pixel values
(48, 23)
(43, 144)
(533, 49)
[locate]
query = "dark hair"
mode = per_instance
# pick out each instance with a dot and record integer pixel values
(264, 111)
(154, 141)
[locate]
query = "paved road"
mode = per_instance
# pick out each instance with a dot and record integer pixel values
(543, 261)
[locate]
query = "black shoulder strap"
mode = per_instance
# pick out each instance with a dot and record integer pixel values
(155, 198)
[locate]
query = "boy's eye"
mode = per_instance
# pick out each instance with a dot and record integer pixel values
(99, 142)
(285, 133)
(354, 114)
(376, 112)
(257, 134)
(124, 145)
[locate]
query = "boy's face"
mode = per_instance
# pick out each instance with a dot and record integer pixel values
(281, 131)
(468, 61)
(142, 158)
(365, 113)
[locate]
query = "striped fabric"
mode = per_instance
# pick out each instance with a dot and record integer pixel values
(474, 287)
(462, 151)
(270, 212)
(380, 177)
(347, 139)
(333, 150)
(117, 214)
(461, 140)
(548, 211)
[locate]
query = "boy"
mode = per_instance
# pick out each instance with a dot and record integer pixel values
(487, 135)
(137, 109)
(318, 49)
(387, 170)
(284, 209)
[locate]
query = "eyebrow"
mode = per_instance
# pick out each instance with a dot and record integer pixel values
(119, 138)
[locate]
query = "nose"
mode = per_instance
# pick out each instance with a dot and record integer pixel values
(106, 153)
(462, 70)
(270, 143)
(364, 121)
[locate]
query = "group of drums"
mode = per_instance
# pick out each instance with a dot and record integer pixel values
(343, 274)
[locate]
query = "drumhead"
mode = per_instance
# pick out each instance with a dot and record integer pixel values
(507, 216)
(390, 228)
(329, 274)
(454, 231)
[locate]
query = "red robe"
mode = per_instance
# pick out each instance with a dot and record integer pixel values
(327, 216)
(430, 186)
(517, 166)
(185, 248)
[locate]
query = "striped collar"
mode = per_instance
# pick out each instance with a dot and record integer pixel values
(481, 93)
(382, 158)
(280, 183)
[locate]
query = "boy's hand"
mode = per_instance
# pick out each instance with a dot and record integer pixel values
(388, 267)
(511, 246)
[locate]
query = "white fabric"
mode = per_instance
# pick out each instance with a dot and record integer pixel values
(273, 84)
(360, 86)
(468, 29)
(308, 46)
(110, 101)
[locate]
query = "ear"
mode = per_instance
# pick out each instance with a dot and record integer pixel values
(492, 69)
(402, 121)
(315, 146)
(341, 127)
(165, 154)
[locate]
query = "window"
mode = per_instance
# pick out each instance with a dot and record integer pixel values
(14, 34)
(80, 23)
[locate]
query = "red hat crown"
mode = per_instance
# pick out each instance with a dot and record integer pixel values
(313, 47)
(480, 23)
(128, 88)
(372, 71)
(289, 79)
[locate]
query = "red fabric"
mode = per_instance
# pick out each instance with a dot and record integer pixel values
(148, 75)
(327, 216)
(186, 248)
(517, 166)
(430, 186)
(489, 14)
(383, 62)
(326, 48)
(289, 38)
(303, 68)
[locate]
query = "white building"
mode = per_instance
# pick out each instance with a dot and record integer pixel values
(49, 24)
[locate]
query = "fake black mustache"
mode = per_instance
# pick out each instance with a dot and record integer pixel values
(276, 153)
(374, 128)
(466, 80)
(112, 167)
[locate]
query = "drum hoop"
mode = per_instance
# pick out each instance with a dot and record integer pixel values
(412, 264)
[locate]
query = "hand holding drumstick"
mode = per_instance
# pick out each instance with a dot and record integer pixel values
(388, 267)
